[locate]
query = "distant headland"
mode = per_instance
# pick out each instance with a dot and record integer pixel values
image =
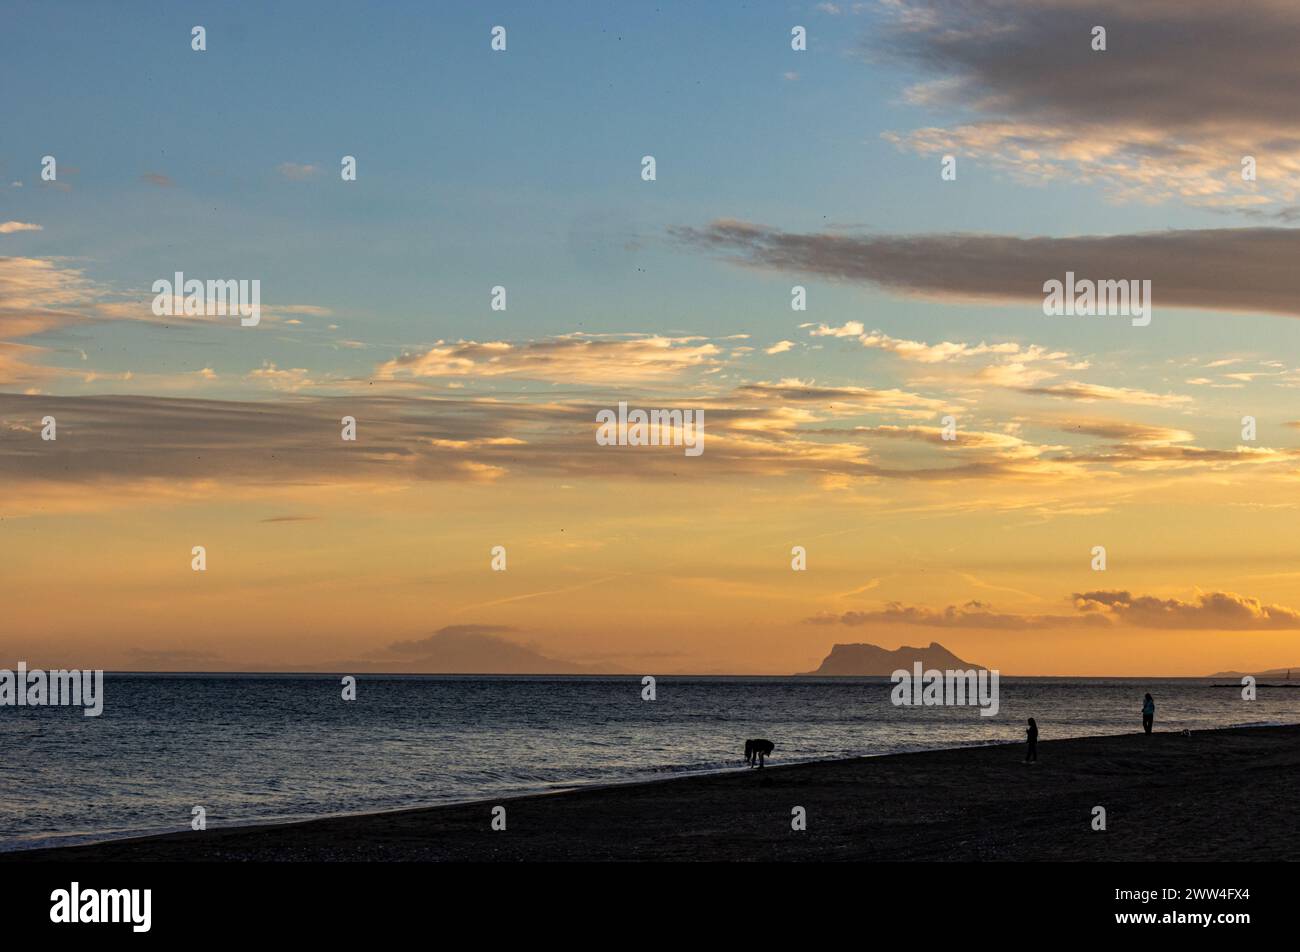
(864, 661)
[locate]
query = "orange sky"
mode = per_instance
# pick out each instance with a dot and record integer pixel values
(639, 575)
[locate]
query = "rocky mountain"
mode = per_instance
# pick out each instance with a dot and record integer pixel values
(863, 660)
(1284, 673)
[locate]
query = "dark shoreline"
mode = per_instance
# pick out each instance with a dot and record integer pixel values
(1229, 794)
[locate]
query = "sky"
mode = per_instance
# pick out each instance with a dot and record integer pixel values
(522, 168)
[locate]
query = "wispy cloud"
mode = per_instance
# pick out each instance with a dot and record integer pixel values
(1094, 392)
(1252, 268)
(296, 171)
(1125, 430)
(1216, 611)
(576, 358)
(970, 615)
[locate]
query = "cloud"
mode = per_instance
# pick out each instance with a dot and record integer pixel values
(1160, 456)
(135, 448)
(10, 227)
(848, 329)
(1220, 611)
(831, 399)
(1001, 444)
(43, 295)
(947, 350)
(18, 365)
(1216, 611)
(1124, 430)
(311, 310)
(780, 347)
(1184, 89)
(297, 172)
(971, 615)
(39, 295)
(178, 447)
(1245, 270)
(44, 286)
(294, 441)
(1093, 392)
(576, 358)
(294, 378)
(1013, 365)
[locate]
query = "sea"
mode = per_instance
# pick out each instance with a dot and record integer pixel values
(272, 748)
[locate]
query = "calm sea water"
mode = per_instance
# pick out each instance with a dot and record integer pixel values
(259, 748)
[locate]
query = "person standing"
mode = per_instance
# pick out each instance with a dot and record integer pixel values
(1031, 755)
(1148, 713)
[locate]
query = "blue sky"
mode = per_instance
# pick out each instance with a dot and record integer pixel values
(478, 168)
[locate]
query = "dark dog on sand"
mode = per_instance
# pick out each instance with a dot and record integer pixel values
(756, 751)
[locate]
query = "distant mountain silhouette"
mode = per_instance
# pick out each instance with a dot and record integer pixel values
(862, 660)
(476, 649)
(1270, 673)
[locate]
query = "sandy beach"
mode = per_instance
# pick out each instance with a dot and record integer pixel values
(1216, 795)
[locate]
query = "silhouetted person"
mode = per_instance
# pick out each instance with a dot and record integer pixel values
(1031, 755)
(756, 751)
(1148, 713)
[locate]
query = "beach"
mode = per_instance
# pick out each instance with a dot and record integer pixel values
(1227, 794)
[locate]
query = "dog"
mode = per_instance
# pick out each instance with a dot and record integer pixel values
(756, 751)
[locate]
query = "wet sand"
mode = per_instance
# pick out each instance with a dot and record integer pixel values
(1216, 795)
